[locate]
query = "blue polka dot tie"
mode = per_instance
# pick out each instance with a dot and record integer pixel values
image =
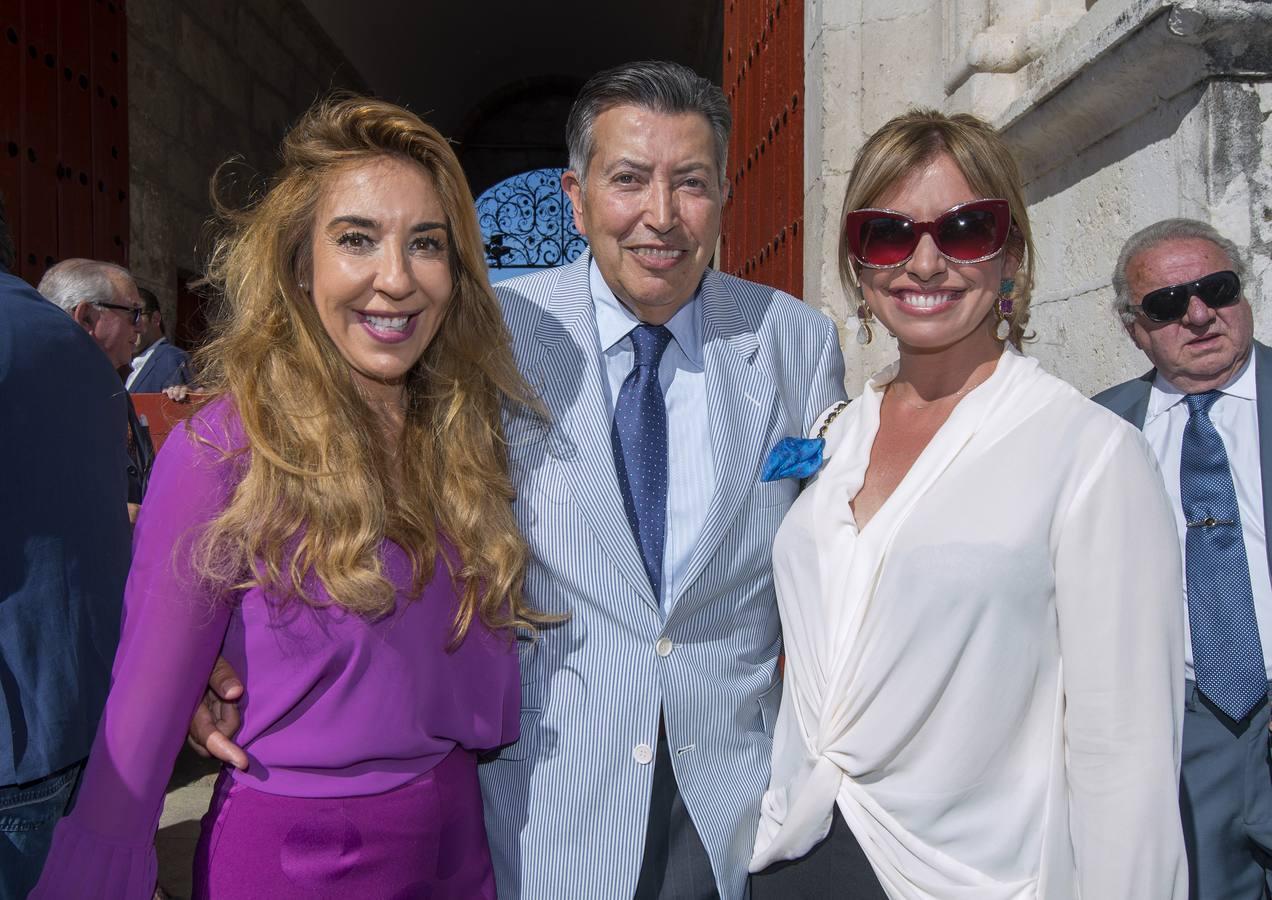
(640, 449)
(1227, 654)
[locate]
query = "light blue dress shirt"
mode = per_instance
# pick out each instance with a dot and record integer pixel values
(1236, 417)
(690, 464)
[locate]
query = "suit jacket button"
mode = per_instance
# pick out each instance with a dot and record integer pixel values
(642, 754)
(663, 647)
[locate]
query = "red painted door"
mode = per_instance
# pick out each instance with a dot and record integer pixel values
(764, 81)
(64, 130)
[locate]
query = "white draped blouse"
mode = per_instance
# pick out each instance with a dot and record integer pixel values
(986, 679)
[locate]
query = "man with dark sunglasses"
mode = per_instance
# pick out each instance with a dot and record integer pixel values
(1206, 410)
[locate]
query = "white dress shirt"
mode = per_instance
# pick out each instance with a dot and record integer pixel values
(1236, 417)
(986, 679)
(139, 362)
(690, 466)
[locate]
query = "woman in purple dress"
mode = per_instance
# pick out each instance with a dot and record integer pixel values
(337, 523)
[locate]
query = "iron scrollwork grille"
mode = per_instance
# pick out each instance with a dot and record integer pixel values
(528, 222)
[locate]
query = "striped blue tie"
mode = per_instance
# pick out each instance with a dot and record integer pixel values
(640, 449)
(1227, 653)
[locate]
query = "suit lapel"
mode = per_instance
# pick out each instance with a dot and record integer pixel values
(1263, 405)
(569, 376)
(1137, 412)
(740, 398)
(143, 375)
(1131, 401)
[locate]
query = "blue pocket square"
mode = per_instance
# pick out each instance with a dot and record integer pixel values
(794, 458)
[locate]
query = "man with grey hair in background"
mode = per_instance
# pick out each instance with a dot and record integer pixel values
(102, 298)
(1206, 410)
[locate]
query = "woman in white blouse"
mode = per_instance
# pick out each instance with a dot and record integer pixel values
(980, 592)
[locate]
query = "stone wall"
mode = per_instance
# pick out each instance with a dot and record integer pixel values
(1122, 114)
(208, 81)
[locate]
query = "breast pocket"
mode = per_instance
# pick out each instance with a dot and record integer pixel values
(781, 493)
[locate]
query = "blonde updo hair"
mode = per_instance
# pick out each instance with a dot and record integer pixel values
(322, 486)
(913, 139)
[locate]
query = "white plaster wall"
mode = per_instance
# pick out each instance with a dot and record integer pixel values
(1261, 200)
(1202, 147)
(1082, 213)
(832, 128)
(1203, 154)
(1241, 199)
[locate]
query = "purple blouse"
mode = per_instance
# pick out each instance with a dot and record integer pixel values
(334, 705)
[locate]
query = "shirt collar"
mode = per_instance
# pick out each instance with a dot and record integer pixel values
(1165, 395)
(614, 321)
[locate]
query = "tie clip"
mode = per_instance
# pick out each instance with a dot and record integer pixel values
(1210, 522)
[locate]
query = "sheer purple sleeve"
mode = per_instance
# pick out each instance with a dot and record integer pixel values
(173, 626)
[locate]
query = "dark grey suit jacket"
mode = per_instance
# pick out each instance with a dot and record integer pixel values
(1130, 401)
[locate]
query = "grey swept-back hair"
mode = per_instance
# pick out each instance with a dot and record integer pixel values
(1158, 233)
(75, 281)
(657, 85)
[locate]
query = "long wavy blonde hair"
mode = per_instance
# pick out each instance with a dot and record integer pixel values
(322, 488)
(909, 141)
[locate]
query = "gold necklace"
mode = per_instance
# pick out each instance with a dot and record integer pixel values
(956, 395)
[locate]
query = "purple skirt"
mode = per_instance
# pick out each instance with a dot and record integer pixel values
(425, 839)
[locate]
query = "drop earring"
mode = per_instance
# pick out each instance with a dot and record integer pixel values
(865, 334)
(1004, 307)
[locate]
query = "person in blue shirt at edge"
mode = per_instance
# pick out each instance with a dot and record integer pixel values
(647, 714)
(64, 556)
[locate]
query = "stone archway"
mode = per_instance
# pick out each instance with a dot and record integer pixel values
(518, 128)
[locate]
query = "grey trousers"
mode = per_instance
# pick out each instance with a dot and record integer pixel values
(1225, 801)
(676, 865)
(837, 867)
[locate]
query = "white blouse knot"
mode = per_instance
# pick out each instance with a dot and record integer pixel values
(985, 680)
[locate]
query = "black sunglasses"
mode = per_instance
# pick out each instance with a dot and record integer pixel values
(135, 310)
(1170, 304)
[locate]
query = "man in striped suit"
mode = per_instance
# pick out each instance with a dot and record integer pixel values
(647, 714)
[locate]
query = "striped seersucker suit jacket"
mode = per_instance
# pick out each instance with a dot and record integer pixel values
(567, 805)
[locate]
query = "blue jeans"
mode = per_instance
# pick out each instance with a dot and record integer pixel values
(28, 813)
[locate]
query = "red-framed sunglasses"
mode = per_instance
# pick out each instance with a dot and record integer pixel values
(969, 233)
